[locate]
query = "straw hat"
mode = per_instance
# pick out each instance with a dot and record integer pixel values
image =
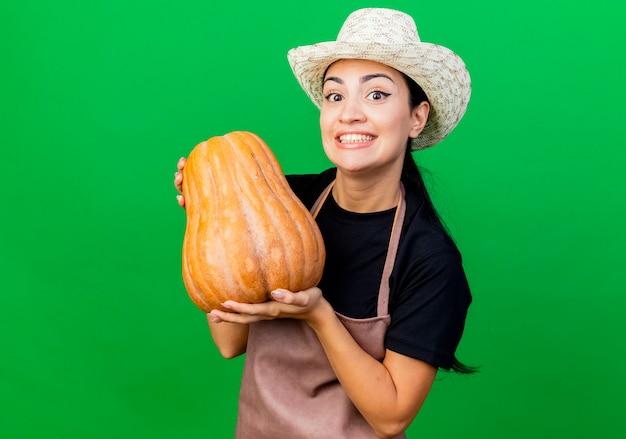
(390, 37)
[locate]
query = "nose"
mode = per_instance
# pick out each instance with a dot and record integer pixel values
(351, 111)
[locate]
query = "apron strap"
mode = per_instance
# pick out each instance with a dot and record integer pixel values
(392, 250)
(320, 200)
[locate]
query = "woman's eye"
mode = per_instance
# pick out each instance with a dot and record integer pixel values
(378, 95)
(333, 97)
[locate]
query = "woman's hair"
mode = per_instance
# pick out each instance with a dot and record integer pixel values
(412, 178)
(411, 175)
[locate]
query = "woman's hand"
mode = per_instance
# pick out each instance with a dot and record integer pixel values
(303, 305)
(178, 181)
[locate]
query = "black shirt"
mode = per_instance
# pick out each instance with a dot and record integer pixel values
(429, 294)
(356, 246)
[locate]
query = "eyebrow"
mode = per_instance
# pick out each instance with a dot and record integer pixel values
(362, 80)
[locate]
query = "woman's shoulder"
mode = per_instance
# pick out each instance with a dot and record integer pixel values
(308, 187)
(423, 236)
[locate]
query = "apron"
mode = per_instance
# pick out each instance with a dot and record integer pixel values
(289, 389)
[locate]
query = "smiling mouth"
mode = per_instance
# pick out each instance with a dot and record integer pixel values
(355, 138)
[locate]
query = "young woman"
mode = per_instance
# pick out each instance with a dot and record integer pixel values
(356, 356)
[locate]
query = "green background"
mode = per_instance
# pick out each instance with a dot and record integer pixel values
(99, 99)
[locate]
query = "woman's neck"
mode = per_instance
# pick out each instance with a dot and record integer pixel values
(363, 195)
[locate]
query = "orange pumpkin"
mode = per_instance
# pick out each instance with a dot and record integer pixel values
(247, 233)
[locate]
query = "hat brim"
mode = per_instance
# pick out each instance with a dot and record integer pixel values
(437, 70)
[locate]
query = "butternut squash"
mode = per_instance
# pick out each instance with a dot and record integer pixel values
(246, 232)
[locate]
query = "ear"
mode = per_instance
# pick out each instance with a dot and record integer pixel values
(419, 117)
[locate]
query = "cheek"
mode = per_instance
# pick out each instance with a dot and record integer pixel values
(325, 119)
(400, 122)
(327, 127)
(325, 130)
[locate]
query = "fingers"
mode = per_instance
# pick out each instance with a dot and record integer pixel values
(178, 175)
(259, 311)
(300, 299)
(178, 181)
(284, 304)
(247, 312)
(240, 313)
(214, 317)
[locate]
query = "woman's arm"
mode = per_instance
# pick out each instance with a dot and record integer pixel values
(231, 339)
(388, 394)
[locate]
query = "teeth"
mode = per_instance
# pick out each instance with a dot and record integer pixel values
(355, 138)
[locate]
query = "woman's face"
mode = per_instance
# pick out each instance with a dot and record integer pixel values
(365, 117)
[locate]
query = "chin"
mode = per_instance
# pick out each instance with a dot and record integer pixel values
(352, 167)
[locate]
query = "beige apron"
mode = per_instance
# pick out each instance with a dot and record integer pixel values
(289, 389)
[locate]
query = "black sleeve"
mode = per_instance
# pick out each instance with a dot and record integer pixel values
(429, 308)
